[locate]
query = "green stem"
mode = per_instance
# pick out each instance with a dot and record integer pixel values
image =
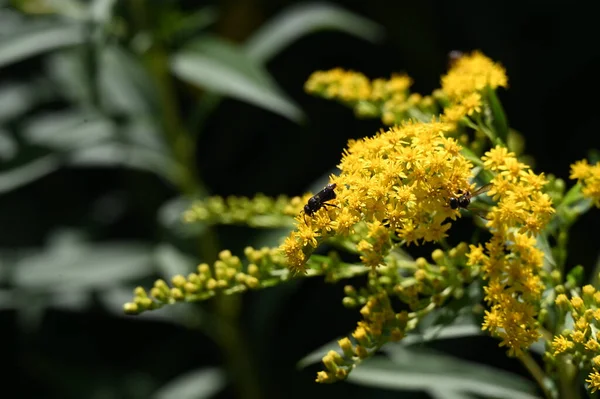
(538, 374)
(567, 378)
(183, 149)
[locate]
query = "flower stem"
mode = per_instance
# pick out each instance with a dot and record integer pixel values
(538, 374)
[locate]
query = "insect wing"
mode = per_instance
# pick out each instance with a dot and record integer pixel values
(482, 190)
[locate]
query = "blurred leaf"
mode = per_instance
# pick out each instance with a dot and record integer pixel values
(498, 116)
(198, 384)
(68, 262)
(22, 175)
(303, 19)
(122, 155)
(15, 99)
(35, 40)
(123, 83)
(101, 10)
(437, 332)
(189, 22)
(67, 70)
(316, 355)
(169, 216)
(446, 394)
(544, 245)
(172, 261)
(8, 146)
(68, 130)
(10, 20)
(221, 67)
(411, 370)
(6, 299)
(143, 131)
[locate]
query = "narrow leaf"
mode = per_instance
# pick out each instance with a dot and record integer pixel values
(198, 384)
(303, 19)
(38, 40)
(8, 146)
(427, 371)
(225, 69)
(68, 130)
(499, 121)
(121, 155)
(15, 99)
(22, 175)
(70, 263)
(123, 83)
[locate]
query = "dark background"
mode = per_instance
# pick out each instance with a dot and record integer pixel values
(551, 54)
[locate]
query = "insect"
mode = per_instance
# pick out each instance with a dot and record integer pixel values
(319, 200)
(454, 56)
(464, 197)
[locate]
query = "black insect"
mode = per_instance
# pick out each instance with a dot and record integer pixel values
(320, 199)
(464, 197)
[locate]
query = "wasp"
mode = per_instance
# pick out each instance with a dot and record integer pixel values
(464, 197)
(319, 200)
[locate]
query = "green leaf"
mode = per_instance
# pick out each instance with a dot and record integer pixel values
(197, 384)
(412, 370)
(172, 261)
(316, 355)
(437, 332)
(70, 263)
(471, 156)
(25, 174)
(8, 146)
(169, 216)
(68, 130)
(15, 99)
(68, 71)
(544, 245)
(101, 10)
(38, 40)
(446, 394)
(122, 155)
(300, 20)
(499, 121)
(123, 83)
(221, 67)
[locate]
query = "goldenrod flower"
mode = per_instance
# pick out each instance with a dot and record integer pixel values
(589, 177)
(397, 184)
(472, 73)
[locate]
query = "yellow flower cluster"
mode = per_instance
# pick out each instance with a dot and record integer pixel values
(393, 187)
(422, 286)
(589, 176)
(470, 74)
(259, 211)
(339, 84)
(388, 98)
(511, 262)
(582, 343)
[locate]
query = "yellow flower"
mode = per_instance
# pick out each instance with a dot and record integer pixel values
(594, 381)
(472, 73)
(347, 86)
(561, 344)
(396, 185)
(472, 103)
(589, 177)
